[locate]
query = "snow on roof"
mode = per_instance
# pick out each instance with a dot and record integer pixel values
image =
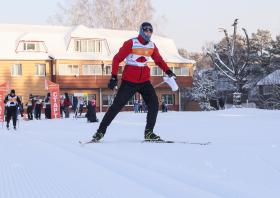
(58, 39)
(271, 79)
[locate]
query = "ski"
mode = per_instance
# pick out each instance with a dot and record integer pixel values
(89, 142)
(165, 141)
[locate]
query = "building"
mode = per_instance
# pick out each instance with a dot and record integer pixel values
(269, 91)
(79, 60)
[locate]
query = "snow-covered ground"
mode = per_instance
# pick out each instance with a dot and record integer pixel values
(44, 158)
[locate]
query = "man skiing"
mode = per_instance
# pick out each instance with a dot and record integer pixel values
(135, 78)
(48, 114)
(30, 105)
(38, 107)
(12, 102)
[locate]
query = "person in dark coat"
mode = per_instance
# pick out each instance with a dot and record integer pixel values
(91, 114)
(74, 106)
(67, 103)
(221, 103)
(48, 113)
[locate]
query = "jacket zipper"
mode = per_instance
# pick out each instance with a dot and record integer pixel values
(140, 75)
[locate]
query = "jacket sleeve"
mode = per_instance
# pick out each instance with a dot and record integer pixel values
(124, 51)
(6, 100)
(159, 60)
(18, 100)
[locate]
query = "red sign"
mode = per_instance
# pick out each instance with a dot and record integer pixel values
(54, 89)
(3, 88)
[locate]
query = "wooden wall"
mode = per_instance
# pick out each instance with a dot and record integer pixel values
(28, 83)
(159, 92)
(85, 81)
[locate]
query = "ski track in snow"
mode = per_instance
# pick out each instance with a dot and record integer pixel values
(49, 161)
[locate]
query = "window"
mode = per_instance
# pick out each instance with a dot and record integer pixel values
(108, 70)
(131, 101)
(169, 98)
(69, 70)
(156, 71)
(15, 69)
(266, 90)
(92, 69)
(40, 70)
(107, 99)
(120, 71)
(31, 46)
(90, 46)
(180, 71)
(53, 67)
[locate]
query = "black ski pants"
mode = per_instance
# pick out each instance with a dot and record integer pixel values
(29, 112)
(48, 111)
(81, 109)
(38, 111)
(61, 111)
(125, 93)
(12, 112)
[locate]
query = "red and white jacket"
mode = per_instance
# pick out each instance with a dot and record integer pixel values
(136, 74)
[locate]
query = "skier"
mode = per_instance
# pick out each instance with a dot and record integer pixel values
(91, 114)
(62, 107)
(136, 105)
(82, 102)
(21, 109)
(162, 104)
(39, 106)
(93, 103)
(67, 103)
(145, 108)
(48, 114)
(75, 106)
(166, 107)
(12, 102)
(135, 78)
(30, 105)
(140, 105)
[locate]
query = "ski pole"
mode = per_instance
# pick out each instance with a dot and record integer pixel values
(159, 84)
(115, 88)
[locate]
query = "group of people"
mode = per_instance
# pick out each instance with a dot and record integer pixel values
(78, 107)
(34, 105)
(164, 105)
(138, 106)
(13, 106)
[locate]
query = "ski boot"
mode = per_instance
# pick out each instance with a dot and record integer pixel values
(149, 135)
(15, 128)
(97, 136)
(7, 126)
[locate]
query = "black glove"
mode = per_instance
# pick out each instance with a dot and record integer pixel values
(170, 74)
(113, 82)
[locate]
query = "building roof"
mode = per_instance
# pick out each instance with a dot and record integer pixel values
(58, 42)
(271, 79)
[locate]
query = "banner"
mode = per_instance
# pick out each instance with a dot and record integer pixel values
(172, 83)
(54, 92)
(3, 88)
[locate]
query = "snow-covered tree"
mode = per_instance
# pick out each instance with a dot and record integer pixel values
(203, 89)
(235, 65)
(108, 14)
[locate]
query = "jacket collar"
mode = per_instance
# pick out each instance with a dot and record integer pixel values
(141, 40)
